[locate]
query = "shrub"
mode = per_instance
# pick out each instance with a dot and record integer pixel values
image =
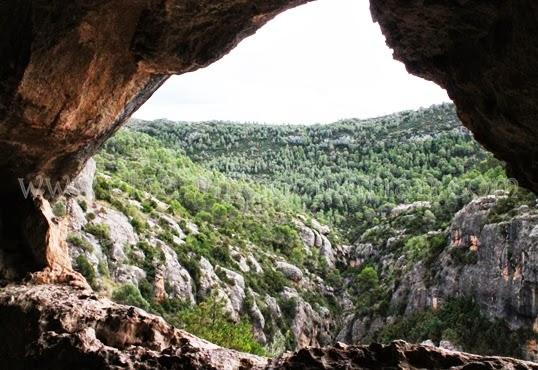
(130, 295)
(274, 280)
(102, 268)
(146, 289)
(222, 254)
(101, 189)
(101, 232)
(424, 247)
(506, 208)
(417, 248)
(464, 256)
(153, 257)
(368, 290)
(83, 205)
(209, 321)
(288, 308)
(86, 269)
(59, 209)
(80, 242)
(139, 224)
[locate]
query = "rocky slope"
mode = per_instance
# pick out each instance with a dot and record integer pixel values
(488, 255)
(111, 253)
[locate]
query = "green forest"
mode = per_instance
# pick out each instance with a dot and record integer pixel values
(244, 185)
(350, 173)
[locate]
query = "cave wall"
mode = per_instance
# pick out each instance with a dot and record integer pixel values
(73, 71)
(484, 53)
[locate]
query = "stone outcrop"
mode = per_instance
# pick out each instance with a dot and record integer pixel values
(63, 327)
(397, 355)
(489, 256)
(504, 278)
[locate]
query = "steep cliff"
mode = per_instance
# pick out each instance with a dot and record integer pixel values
(484, 264)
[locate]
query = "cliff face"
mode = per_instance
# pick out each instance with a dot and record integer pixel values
(487, 255)
(503, 277)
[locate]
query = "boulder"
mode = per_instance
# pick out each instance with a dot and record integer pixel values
(176, 277)
(290, 271)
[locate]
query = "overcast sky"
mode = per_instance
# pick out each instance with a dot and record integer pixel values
(319, 62)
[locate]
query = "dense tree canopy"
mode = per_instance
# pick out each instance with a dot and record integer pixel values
(352, 172)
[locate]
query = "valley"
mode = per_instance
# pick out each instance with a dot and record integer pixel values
(270, 238)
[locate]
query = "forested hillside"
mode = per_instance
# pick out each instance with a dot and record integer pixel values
(350, 173)
(215, 227)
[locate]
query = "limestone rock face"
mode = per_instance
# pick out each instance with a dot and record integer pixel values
(397, 355)
(506, 259)
(290, 271)
(489, 256)
(176, 276)
(83, 183)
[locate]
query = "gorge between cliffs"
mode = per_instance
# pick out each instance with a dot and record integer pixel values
(406, 241)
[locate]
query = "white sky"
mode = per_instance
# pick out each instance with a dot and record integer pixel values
(319, 62)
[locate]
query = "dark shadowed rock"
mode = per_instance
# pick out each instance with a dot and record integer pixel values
(64, 327)
(484, 54)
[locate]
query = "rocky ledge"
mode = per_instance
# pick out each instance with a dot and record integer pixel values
(69, 327)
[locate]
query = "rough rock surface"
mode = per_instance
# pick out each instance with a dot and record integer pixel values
(290, 271)
(504, 279)
(491, 260)
(484, 54)
(178, 279)
(397, 355)
(63, 327)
